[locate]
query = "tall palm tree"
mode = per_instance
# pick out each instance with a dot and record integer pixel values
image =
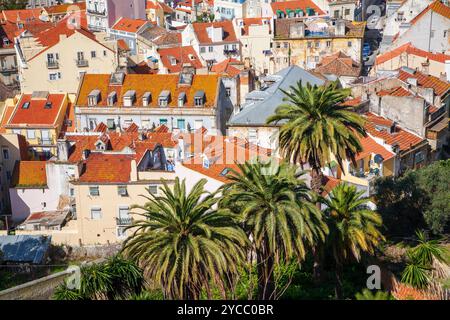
(184, 244)
(354, 227)
(277, 214)
(315, 126)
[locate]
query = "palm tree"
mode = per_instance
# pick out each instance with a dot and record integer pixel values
(366, 294)
(184, 244)
(354, 227)
(422, 259)
(315, 126)
(115, 279)
(277, 214)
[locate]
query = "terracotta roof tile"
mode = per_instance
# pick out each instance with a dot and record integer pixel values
(62, 8)
(395, 92)
(339, 64)
(409, 49)
(29, 174)
(24, 15)
(181, 56)
(106, 168)
(370, 146)
(427, 81)
(200, 29)
(37, 112)
(226, 67)
(379, 127)
(438, 7)
(295, 4)
(129, 25)
(153, 83)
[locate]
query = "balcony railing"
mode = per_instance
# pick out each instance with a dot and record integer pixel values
(8, 68)
(124, 221)
(52, 64)
(82, 63)
(230, 52)
(45, 141)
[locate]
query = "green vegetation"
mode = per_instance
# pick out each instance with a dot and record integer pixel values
(366, 294)
(183, 243)
(354, 228)
(317, 127)
(115, 279)
(13, 4)
(419, 199)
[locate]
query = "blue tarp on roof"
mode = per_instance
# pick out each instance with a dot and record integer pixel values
(24, 249)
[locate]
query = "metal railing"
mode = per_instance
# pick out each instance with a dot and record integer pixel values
(121, 221)
(82, 63)
(52, 64)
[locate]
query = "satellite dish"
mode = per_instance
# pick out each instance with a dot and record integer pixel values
(378, 159)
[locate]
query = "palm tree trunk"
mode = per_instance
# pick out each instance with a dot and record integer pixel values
(266, 281)
(316, 186)
(338, 283)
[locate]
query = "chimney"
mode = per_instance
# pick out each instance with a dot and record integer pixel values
(133, 171)
(393, 127)
(340, 27)
(63, 147)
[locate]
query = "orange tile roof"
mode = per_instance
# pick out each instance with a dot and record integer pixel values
(51, 36)
(181, 55)
(223, 153)
(354, 102)
(37, 113)
(438, 7)
(424, 80)
(339, 64)
(123, 45)
(409, 49)
(24, 15)
(70, 117)
(129, 25)
(10, 30)
(106, 168)
(378, 127)
(29, 174)
(62, 8)
(370, 146)
(295, 4)
(202, 35)
(395, 92)
(247, 22)
(329, 183)
(226, 67)
(153, 83)
(6, 114)
(119, 141)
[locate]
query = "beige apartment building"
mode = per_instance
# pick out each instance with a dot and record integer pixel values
(54, 60)
(255, 35)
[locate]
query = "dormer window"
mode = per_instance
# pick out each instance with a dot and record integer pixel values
(48, 105)
(6, 41)
(146, 98)
(26, 105)
(199, 98)
(112, 98)
(181, 99)
(206, 163)
(100, 146)
(164, 98)
(173, 61)
(94, 98)
(129, 98)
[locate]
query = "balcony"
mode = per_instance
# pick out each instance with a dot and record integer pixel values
(8, 69)
(124, 221)
(82, 63)
(45, 141)
(52, 64)
(230, 52)
(96, 11)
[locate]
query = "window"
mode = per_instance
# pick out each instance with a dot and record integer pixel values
(202, 50)
(93, 54)
(5, 152)
(94, 191)
(162, 121)
(308, 44)
(54, 76)
(31, 134)
(317, 44)
(328, 44)
(211, 49)
(122, 191)
(347, 12)
(198, 101)
(153, 189)
(181, 124)
(72, 192)
(96, 213)
(349, 44)
(121, 232)
(104, 53)
(228, 91)
(419, 156)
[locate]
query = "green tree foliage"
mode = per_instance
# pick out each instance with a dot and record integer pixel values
(315, 126)
(278, 215)
(367, 294)
(184, 244)
(354, 228)
(13, 4)
(416, 200)
(115, 279)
